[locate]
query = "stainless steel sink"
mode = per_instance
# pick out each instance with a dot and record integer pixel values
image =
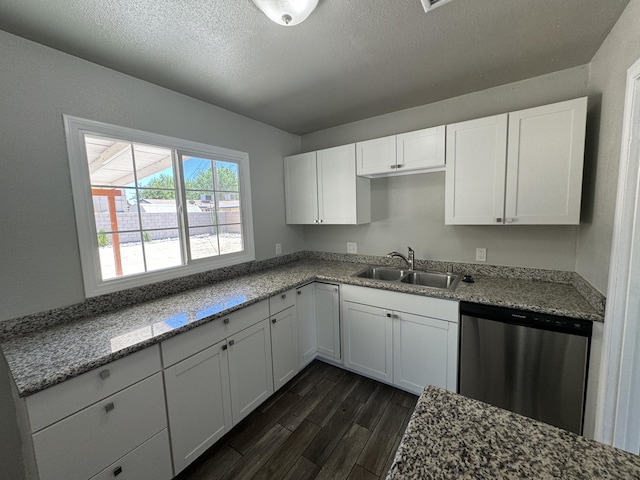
(441, 280)
(382, 273)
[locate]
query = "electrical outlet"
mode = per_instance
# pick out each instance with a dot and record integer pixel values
(352, 247)
(278, 249)
(481, 254)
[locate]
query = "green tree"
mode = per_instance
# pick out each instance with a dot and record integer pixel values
(162, 181)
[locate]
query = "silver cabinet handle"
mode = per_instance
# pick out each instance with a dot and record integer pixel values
(388, 315)
(224, 347)
(498, 220)
(273, 320)
(104, 374)
(400, 165)
(231, 342)
(299, 292)
(109, 406)
(226, 321)
(392, 167)
(117, 471)
(283, 296)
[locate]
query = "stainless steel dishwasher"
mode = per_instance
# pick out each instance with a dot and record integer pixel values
(529, 363)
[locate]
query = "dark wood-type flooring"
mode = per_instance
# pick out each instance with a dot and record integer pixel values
(326, 423)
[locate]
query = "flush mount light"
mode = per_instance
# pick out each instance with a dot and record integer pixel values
(429, 4)
(287, 12)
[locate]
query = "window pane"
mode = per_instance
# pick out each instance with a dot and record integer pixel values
(111, 210)
(120, 255)
(228, 205)
(158, 208)
(198, 173)
(203, 242)
(226, 176)
(162, 249)
(154, 167)
(230, 238)
(110, 161)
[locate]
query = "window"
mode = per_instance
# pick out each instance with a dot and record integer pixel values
(151, 208)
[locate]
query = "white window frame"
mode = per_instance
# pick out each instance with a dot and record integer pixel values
(94, 285)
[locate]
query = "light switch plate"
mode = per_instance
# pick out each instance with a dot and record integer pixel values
(481, 254)
(352, 247)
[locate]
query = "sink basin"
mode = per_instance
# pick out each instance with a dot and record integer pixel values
(382, 273)
(442, 280)
(432, 279)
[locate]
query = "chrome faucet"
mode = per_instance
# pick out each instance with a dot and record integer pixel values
(410, 258)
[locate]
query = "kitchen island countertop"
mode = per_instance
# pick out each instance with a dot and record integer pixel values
(453, 437)
(47, 356)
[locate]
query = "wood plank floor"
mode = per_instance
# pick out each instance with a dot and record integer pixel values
(326, 423)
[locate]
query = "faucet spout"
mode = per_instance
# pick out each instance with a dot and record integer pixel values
(410, 259)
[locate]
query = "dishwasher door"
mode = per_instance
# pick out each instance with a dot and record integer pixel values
(536, 372)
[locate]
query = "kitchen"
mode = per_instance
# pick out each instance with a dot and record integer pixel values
(41, 236)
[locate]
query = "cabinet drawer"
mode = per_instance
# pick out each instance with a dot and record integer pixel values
(188, 343)
(150, 461)
(60, 401)
(87, 442)
(282, 301)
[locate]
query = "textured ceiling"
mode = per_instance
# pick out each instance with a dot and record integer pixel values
(351, 59)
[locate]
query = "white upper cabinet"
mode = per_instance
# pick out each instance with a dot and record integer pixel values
(411, 152)
(476, 170)
(545, 158)
(322, 188)
(522, 168)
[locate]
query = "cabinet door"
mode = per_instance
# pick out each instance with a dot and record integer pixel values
(306, 311)
(337, 195)
(368, 340)
(284, 346)
(421, 150)
(377, 156)
(198, 403)
(424, 352)
(250, 369)
(328, 320)
(301, 190)
(475, 171)
(544, 164)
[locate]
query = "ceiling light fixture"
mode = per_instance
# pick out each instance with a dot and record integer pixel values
(287, 12)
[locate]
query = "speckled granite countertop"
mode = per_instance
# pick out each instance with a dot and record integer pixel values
(453, 437)
(51, 354)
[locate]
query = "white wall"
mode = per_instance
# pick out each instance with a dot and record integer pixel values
(409, 210)
(39, 258)
(607, 79)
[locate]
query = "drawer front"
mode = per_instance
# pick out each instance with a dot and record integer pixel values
(282, 301)
(189, 343)
(150, 461)
(60, 401)
(87, 442)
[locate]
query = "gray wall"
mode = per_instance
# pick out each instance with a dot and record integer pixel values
(607, 83)
(39, 258)
(409, 210)
(39, 84)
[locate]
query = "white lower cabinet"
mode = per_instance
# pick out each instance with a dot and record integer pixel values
(150, 461)
(327, 301)
(284, 346)
(405, 340)
(215, 375)
(198, 403)
(250, 369)
(87, 442)
(306, 312)
(368, 341)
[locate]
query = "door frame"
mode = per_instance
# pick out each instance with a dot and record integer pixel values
(618, 407)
